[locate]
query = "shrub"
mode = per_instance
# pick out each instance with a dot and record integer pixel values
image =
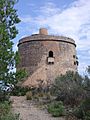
(5, 113)
(10, 116)
(83, 111)
(68, 88)
(4, 96)
(36, 97)
(29, 95)
(19, 91)
(56, 109)
(4, 108)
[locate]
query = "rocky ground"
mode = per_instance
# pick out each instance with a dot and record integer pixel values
(29, 111)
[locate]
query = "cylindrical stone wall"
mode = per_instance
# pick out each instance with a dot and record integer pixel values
(35, 55)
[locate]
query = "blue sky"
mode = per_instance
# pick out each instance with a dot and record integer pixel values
(70, 18)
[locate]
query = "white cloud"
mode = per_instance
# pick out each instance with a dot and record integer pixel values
(82, 68)
(26, 19)
(73, 21)
(15, 48)
(89, 52)
(49, 9)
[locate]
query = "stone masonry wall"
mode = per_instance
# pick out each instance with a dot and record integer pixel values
(34, 54)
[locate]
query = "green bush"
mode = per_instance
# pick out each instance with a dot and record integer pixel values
(4, 96)
(83, 111)
(56, 109)
(19, 91)
(10, 116)
(4, 108)
(5, 113)
(68, 88)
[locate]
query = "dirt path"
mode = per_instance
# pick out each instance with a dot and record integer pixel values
(28, 111)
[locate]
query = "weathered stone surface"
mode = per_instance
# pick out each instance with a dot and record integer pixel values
(34, 52)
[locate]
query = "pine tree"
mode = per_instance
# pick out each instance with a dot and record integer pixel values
(8, 31)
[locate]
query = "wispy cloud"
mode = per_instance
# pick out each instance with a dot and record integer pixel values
(49, 9)
(26, 19)
(72, 21)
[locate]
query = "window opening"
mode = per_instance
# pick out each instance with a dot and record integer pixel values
(50, 54)
(50, 58)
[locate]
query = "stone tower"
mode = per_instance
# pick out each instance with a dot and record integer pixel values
(46, 56)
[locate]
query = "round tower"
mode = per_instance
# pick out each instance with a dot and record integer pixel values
(46, 56)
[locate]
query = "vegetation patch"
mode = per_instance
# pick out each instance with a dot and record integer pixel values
(29, 95)
(5, 113)
(56, 109)
(83, 110)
